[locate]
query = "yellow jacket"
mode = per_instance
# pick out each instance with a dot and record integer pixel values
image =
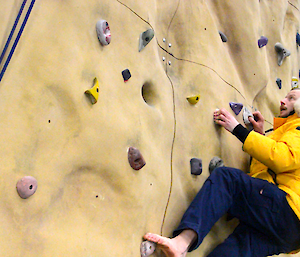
(280, 151)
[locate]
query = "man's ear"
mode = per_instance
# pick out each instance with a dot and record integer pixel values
(297, 106)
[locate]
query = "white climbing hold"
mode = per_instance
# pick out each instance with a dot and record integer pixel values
(282, 53)
(103, 32)
(147, 248)
(294, 82)
(246, 116)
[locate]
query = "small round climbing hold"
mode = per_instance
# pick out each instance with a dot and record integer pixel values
(164, 40)
(282, 53)
(26, 186)
(196, 166)
(193, 99)
(223, 36)
(236, 107)
(103, 32)
(135, 158)
(262, 41)
(147, 248)
(170, 44)
(294, 82)
(170, 63)
(279, 83)
(126, 75)
(164, 58)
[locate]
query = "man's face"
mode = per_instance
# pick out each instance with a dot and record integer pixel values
(287, 104)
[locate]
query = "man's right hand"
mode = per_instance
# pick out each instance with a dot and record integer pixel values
(257, 122)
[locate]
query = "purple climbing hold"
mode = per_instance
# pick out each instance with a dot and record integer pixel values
(26, 186)
(262, 41)
(279, 83)
(196, 166)
(135, 158)
(126, 75)
(298, 39)
(236, 107)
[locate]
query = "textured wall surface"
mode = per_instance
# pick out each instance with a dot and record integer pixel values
(89, 201)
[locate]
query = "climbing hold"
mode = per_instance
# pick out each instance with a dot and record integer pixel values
(298, 39)
(93, 93)
(193, 99)
(164, 40)
(145, 38)
(147, 248)
(262, 41)
(103, 32)
(170, 45)
(135, 158)
(282, 53)
(294, 82)
(196, 166)
(170, 63)
(26, 186)
(164, 58)
(223, 37)
(236, 107)
(279, 83)
(246, 116)
(214, 163)
(126, 75)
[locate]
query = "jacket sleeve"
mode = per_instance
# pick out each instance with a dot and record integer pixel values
(280, 156)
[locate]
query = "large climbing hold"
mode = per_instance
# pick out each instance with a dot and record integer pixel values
(145, 38)
(295, 82)
(147, 248)
(279, 83)
(223, 36)
(298, 39)
(236, 107)
(135, 158)
(282, 53)
(103, 32)
(262, 41)
(246, 116)
(196, 166)
(26, 186)
(193, 99)
(93, 93)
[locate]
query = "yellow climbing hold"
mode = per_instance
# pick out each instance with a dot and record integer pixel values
(93, 93)
(193, 99)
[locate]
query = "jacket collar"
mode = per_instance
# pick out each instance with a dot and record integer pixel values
(278, 122)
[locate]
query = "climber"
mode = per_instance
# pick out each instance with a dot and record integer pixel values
(266, 201)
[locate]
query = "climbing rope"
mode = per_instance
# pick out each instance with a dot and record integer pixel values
(17, 38)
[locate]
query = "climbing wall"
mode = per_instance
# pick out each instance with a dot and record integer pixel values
(89, 201)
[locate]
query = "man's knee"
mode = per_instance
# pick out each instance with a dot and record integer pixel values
(226, 173)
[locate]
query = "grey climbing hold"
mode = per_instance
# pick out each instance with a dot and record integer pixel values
(145, 38)
(282, 53)
(26, 186)
(223, 37)
(196, 166)
(262, 41)
(135, 158)
(246, 116)
(103, 32)
(147, 248)
(214, 163)
(236, 107)
(279, 83)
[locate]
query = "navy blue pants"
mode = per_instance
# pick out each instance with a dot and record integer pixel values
(267, 225)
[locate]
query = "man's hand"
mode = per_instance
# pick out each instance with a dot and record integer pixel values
(257, 122)
(225, 119)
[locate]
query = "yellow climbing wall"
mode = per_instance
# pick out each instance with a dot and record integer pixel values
(89, 201)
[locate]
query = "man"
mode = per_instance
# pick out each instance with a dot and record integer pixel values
(267, 203)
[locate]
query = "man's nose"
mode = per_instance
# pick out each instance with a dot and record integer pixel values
(282, 103)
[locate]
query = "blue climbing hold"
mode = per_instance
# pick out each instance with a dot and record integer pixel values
(126, 75)
(236, 107)
(196, 166)
(223, 36)
(279, 83)
(262, 41)
(298, 39)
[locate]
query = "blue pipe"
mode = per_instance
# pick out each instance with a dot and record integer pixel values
(16, 40)
(12, 30)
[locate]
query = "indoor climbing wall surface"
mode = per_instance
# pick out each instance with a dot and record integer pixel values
(109, 156)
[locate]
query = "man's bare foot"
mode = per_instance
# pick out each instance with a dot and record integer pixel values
(175, 247)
